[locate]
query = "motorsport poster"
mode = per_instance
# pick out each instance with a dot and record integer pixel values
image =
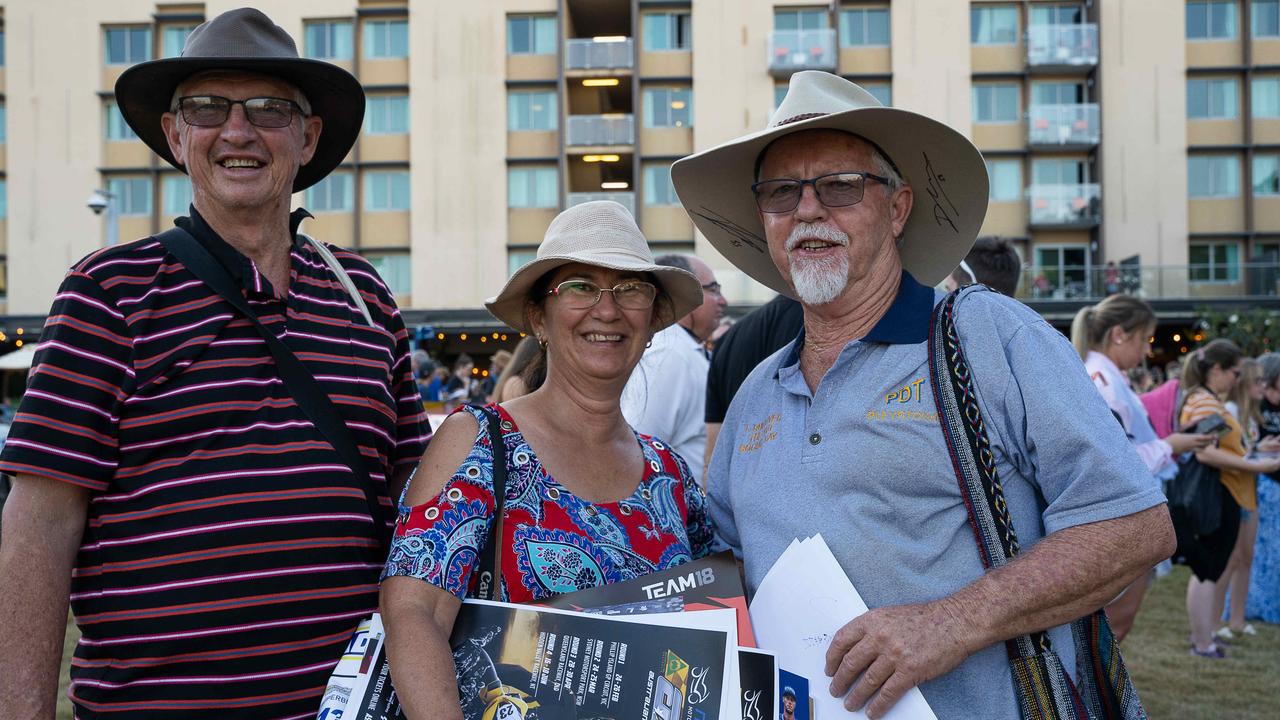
(758, 679)
(708, 583)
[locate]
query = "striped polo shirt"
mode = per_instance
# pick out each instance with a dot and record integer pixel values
(228, 553)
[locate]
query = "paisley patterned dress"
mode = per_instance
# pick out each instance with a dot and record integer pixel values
(553, 542)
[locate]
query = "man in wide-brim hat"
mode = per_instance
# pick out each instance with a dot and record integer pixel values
(222, 548)
(856, 210)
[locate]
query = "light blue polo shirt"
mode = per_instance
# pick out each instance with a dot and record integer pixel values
(863, 461)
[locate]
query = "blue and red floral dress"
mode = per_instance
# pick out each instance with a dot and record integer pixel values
(553, 542)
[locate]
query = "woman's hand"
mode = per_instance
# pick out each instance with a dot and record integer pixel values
(1267, 466)
(1269, 444)
(1189, 442)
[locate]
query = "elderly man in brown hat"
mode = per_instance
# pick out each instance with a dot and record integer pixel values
(216, 418)
(949, 449)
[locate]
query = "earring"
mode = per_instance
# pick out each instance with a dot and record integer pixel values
(648, 344)
(542, 343)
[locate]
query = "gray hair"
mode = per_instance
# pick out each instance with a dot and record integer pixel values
(298, 97)
(1270, 363)
(675, 260)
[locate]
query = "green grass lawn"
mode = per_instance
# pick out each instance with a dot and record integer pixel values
(1172, 683)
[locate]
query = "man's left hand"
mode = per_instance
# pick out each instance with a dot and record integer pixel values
(892, 649)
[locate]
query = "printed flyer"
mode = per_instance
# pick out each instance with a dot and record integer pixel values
(758, 679)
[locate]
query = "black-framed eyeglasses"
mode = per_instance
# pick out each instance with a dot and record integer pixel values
(213, 110)
(583, 294)
(833, 190)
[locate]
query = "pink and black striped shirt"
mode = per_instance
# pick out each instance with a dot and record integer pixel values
(228, 553)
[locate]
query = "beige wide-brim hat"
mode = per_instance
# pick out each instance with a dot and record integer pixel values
(600, 233)
(945, 170)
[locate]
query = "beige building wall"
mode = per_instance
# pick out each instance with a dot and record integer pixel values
(931, 59)
(1144, 129)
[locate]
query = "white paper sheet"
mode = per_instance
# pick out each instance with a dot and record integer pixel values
(801, 603)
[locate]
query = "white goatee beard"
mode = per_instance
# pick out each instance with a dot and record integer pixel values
(818, 282)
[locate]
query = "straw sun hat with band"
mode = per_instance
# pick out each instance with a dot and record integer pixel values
(245, 40)
(600, 233)
(944, 169)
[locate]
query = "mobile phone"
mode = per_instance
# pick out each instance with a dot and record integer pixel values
(1214, 424)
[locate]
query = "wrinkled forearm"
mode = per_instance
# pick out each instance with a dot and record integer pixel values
(1067, 575)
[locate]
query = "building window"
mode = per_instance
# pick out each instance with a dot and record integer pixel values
(995, 103)
(1211, 20)
(1265, 100)
(1057, 93)
(1046, 14)
(805, 19)
(779, 92)
(395, 269)
(993, 25)
(1213, 176)
(532, 187)
(1214, 262)
(328, 40)
(665, 32)
(385, 39)
(1, 47)
(335, 193)
(4, 199)
(127, 45)
(1064, 268)
(658, 189)
(176, 192)
(531, 110)
(4, 124)
(864, 27)
(518, 258)
(1212, 98)
(1266, 174)
(117, 128)
(1266, 18)
(132, 195)
(668, 107)
(1059, 171)
(387, 115)
(1006, 179)
(531, 34)
(386, 190)
(173, 38)
(881, 92)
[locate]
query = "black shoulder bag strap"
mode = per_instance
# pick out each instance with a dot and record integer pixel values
(311, 398)
(491, 560)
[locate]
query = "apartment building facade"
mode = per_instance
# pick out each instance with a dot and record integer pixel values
(1144, 133)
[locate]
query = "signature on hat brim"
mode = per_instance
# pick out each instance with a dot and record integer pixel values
(946, 172)
(144, 91)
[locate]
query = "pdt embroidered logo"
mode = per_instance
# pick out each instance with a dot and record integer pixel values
(908, 395)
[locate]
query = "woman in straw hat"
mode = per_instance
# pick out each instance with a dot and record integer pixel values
(588, 501)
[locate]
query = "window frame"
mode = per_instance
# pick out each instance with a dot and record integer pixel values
(387, 28)
(330, 27)
(113, 187)
(533, 188)
(167, 180)
(392, 124)
(526, 114)
(129, 31)
(1212, 84)
(990, 9)
(165, 31)
(991, 87)
(1208, 21)
(1210, 268)
(651, 107)
(382, 260)
(679, 23)
(1003, 162)
(387, 177)
(1273, 175)
(1207, 172)
(1254, 94)
(113, 119)
(864, 11)
(534, 20)
(650, 196)
(1254, 23)
(327, 186)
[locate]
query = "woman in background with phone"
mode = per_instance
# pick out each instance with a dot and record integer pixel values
(1111, 338)
(1210, 374)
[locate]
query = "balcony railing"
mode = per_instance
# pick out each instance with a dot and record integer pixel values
(1062, 45)
(601, 130)
(1067, 125)
(596, 55)
(1065, 205)
(793, 50)
(626, 199)
(1151, 282)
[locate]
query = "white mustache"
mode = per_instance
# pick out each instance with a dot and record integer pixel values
(815, 231)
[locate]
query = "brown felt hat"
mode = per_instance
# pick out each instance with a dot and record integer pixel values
(247, 41)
